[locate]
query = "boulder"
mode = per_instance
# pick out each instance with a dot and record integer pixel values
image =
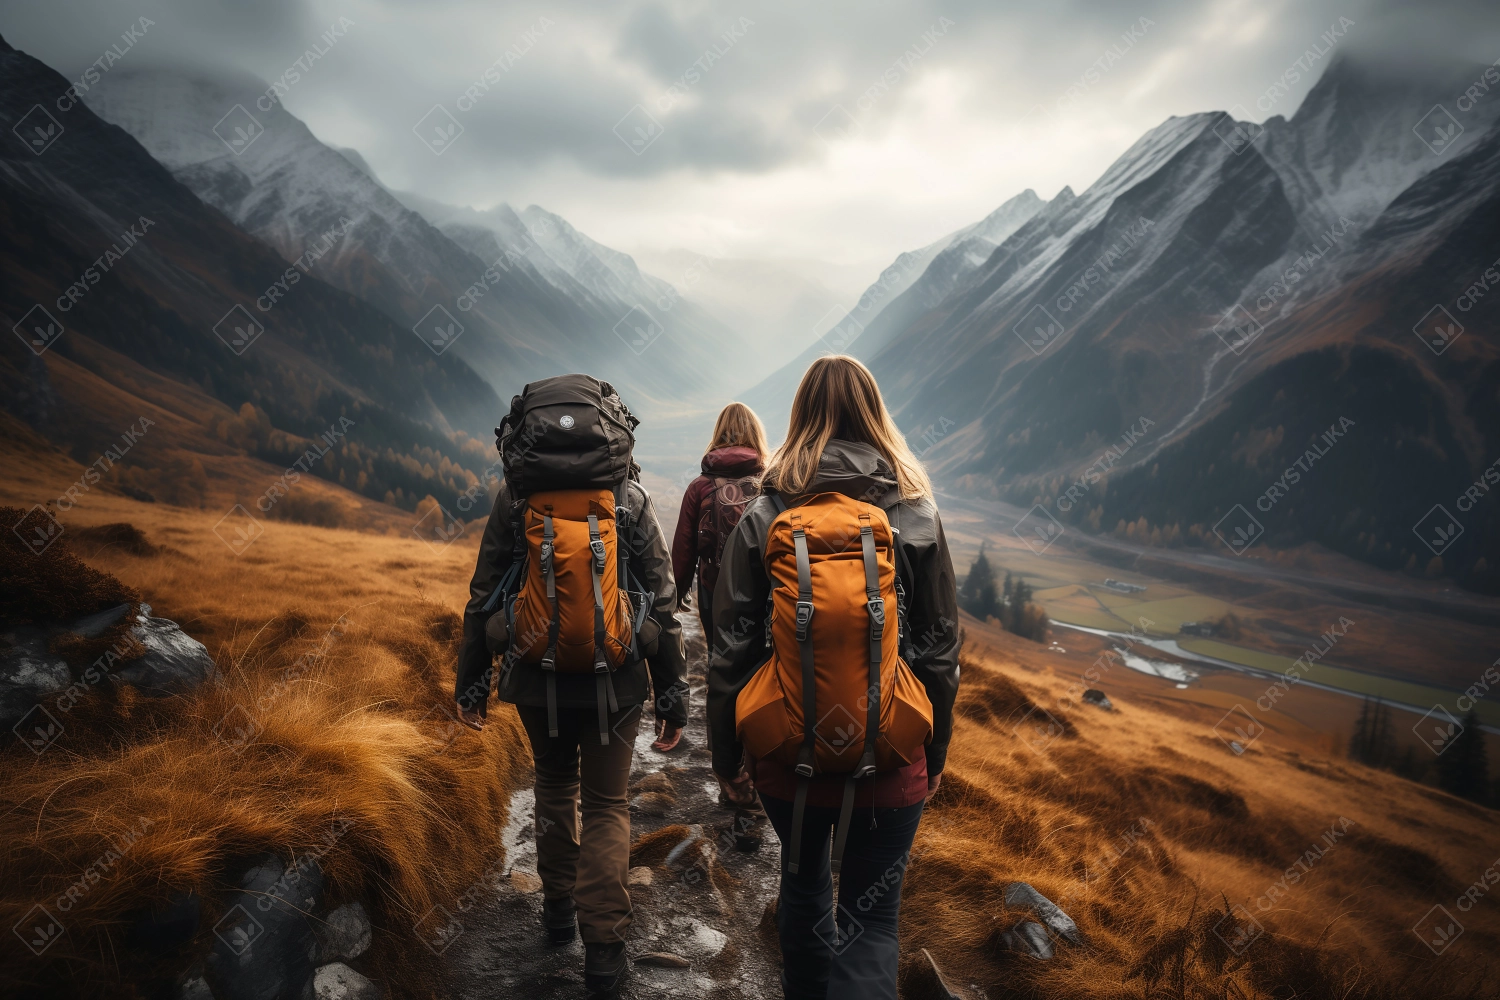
(339, 982)
(1099, 699)
(194, 988)
(344, 934)
(1028, 938)
(264, 942)
(639, 876)
(1022, 895)
(28, 674)
(174, 661)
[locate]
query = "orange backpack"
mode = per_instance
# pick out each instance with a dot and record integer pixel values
(568, 602)
(834, 655)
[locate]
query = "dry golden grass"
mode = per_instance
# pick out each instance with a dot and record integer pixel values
(1148, 830)
(1140, 822)
(340, 647)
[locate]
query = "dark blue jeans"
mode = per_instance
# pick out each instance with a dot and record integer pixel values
(850, 952)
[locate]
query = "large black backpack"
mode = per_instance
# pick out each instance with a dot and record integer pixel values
(567, 432)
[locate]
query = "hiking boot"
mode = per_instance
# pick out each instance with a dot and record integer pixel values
(560, 917)
(602, 966)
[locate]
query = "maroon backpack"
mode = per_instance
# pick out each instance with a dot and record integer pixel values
(727, 499)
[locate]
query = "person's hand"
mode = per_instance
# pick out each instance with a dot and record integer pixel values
(667, 736)
(933, 781)
(471, 718)
(740, 791)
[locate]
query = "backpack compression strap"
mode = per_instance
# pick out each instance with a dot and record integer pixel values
(549, 659)
(808, 751)
(875, 605)
(604, 688)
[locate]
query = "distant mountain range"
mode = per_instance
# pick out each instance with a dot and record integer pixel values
(1174, 343)
(524, 294)
(116, 274)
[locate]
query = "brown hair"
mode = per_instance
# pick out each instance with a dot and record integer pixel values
(738, 425)
(838, 398)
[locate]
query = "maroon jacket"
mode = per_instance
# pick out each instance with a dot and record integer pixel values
(687, 557)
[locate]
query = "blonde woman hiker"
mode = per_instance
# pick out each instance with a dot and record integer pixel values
(836, 602)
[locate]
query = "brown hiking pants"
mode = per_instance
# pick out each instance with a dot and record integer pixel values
(589, 860)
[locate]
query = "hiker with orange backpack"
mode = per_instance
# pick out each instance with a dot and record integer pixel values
(573, 593)
(834, 671)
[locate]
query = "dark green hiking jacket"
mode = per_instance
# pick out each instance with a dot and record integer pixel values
(666, 673)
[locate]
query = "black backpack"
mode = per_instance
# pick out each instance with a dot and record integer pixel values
(567, 432)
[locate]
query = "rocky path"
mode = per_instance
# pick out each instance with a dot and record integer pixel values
(696, 896)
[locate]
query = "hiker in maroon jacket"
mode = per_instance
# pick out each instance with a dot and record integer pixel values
(712, 506)
(713, 503)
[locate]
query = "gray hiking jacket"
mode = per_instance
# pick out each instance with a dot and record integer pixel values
(649, 560)
(738, 645)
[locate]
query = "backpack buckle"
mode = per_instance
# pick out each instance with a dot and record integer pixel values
(597, 547)
(877, 610)
(546, 556)
(864, 772)
(804, 619)
(805, 770)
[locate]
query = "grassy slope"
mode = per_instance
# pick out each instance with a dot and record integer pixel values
(1218, 829)
(353, 731)
(353, 738)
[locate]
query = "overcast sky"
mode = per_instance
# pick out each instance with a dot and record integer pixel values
(809, 130)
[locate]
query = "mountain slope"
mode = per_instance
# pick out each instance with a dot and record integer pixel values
(914, 282)
(152, 272)
(520, 320)
(1194, 294)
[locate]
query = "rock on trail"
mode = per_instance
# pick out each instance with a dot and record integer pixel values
(698, 901)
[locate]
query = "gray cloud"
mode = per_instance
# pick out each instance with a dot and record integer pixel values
(738, 102)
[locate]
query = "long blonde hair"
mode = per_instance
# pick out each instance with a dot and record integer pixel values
(838, 398)
(738, 425)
